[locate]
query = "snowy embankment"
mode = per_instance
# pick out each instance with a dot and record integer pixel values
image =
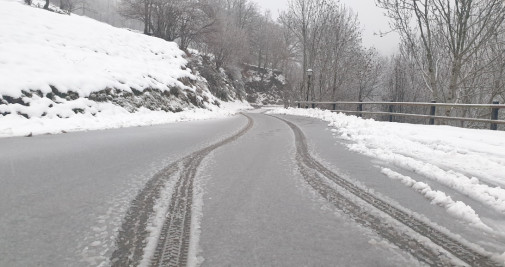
(110, 117)
(61, 73)
(469, 161)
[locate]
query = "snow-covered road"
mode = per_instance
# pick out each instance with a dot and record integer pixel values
(367, 174)
(258, 211)
(265, 190)
(63, 197)
(272, 207)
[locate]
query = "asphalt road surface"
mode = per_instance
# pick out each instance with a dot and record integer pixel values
(251, 190)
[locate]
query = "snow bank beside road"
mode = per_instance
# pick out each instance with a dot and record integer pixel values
(112, 117)
(469, 161)
(457, 209)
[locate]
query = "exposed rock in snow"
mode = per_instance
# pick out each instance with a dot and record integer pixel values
(263, 86)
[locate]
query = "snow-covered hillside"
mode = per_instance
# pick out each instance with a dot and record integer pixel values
(66, 72)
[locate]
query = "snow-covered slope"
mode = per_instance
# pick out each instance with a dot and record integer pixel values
(40, 50)
(224, 84)
(55, 66)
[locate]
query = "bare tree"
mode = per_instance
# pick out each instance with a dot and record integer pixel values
(141, 10)
(415, 21)
(305, 19)
(449, 40)
(467, 26)
(172, 20)
(228, 44)
(368, 73)
(342, 43)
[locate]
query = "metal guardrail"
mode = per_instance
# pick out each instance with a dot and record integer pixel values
(493, 121)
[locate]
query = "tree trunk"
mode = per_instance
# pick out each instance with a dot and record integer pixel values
(146, 17)
(259, 58)
(453, 85)
(334, 86)
(432, 76)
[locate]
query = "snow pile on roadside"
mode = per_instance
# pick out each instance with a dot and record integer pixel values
(492, 196)
(469, 161)
(457, 209)
(111, 117)
(40, 50)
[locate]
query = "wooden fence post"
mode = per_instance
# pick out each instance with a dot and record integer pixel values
(494, 116)
(433, 111)
(390, 111)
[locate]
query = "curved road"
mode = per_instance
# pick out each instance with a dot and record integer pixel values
(252, 190)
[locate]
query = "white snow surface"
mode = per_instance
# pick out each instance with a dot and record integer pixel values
(468, 161)
(39, 49)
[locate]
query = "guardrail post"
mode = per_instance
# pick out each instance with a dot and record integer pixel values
(360, 108)
(334, 106)
(433, 111)
(313, 105)
(390, 111)
(299, 104)
(494, 116)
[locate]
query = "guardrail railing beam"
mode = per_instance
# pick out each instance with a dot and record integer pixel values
(494, 121)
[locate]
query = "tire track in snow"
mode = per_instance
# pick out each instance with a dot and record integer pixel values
(173, 243)
(312, 171)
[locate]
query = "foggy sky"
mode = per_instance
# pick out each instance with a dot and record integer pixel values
(371, 19)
